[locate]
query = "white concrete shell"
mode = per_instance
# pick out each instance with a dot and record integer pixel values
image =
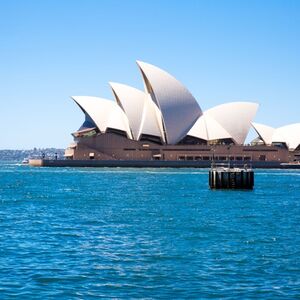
(265, 132)
(151, 120)
(105, 113)
(132, 101)
(143, 114)
(179, 108)
(199, 129)
(207, 128)
(289, 134)
(235, 118)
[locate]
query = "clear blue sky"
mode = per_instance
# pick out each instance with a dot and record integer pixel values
(221, 50)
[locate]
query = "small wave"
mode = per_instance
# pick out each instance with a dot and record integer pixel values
(278, 174)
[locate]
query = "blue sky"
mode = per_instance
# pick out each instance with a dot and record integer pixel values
(221, 50)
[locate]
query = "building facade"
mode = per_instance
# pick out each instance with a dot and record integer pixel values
(165, 122)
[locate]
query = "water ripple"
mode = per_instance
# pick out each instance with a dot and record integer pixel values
(153, 233)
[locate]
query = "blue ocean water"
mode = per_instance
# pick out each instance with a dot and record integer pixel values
(147, 233)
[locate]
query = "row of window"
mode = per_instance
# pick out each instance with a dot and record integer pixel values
(216, 158)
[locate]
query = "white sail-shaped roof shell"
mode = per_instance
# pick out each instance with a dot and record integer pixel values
(105, 113)
(235, 118)
(207, 128)
(199, 129)
(179, 108)
(265, 132)
(132, 101)
(151, 120)
(289, 134)
(143, 114)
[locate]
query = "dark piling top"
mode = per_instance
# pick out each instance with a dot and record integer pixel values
(231, 177)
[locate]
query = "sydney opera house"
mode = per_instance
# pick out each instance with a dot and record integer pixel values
(166, 123)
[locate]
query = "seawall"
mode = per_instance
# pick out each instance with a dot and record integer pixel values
(149, 164)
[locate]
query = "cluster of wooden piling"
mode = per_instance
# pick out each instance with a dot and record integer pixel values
(231, 178)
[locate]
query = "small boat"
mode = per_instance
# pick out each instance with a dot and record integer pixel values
(25, 161)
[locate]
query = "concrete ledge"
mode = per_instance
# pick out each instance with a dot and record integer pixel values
(149, 164)
(36, 162)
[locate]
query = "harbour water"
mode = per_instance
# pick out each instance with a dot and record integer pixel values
(147, 233)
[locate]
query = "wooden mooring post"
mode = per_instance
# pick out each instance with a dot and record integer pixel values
(231, 177)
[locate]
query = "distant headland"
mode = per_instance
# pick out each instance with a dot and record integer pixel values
(19, 155)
